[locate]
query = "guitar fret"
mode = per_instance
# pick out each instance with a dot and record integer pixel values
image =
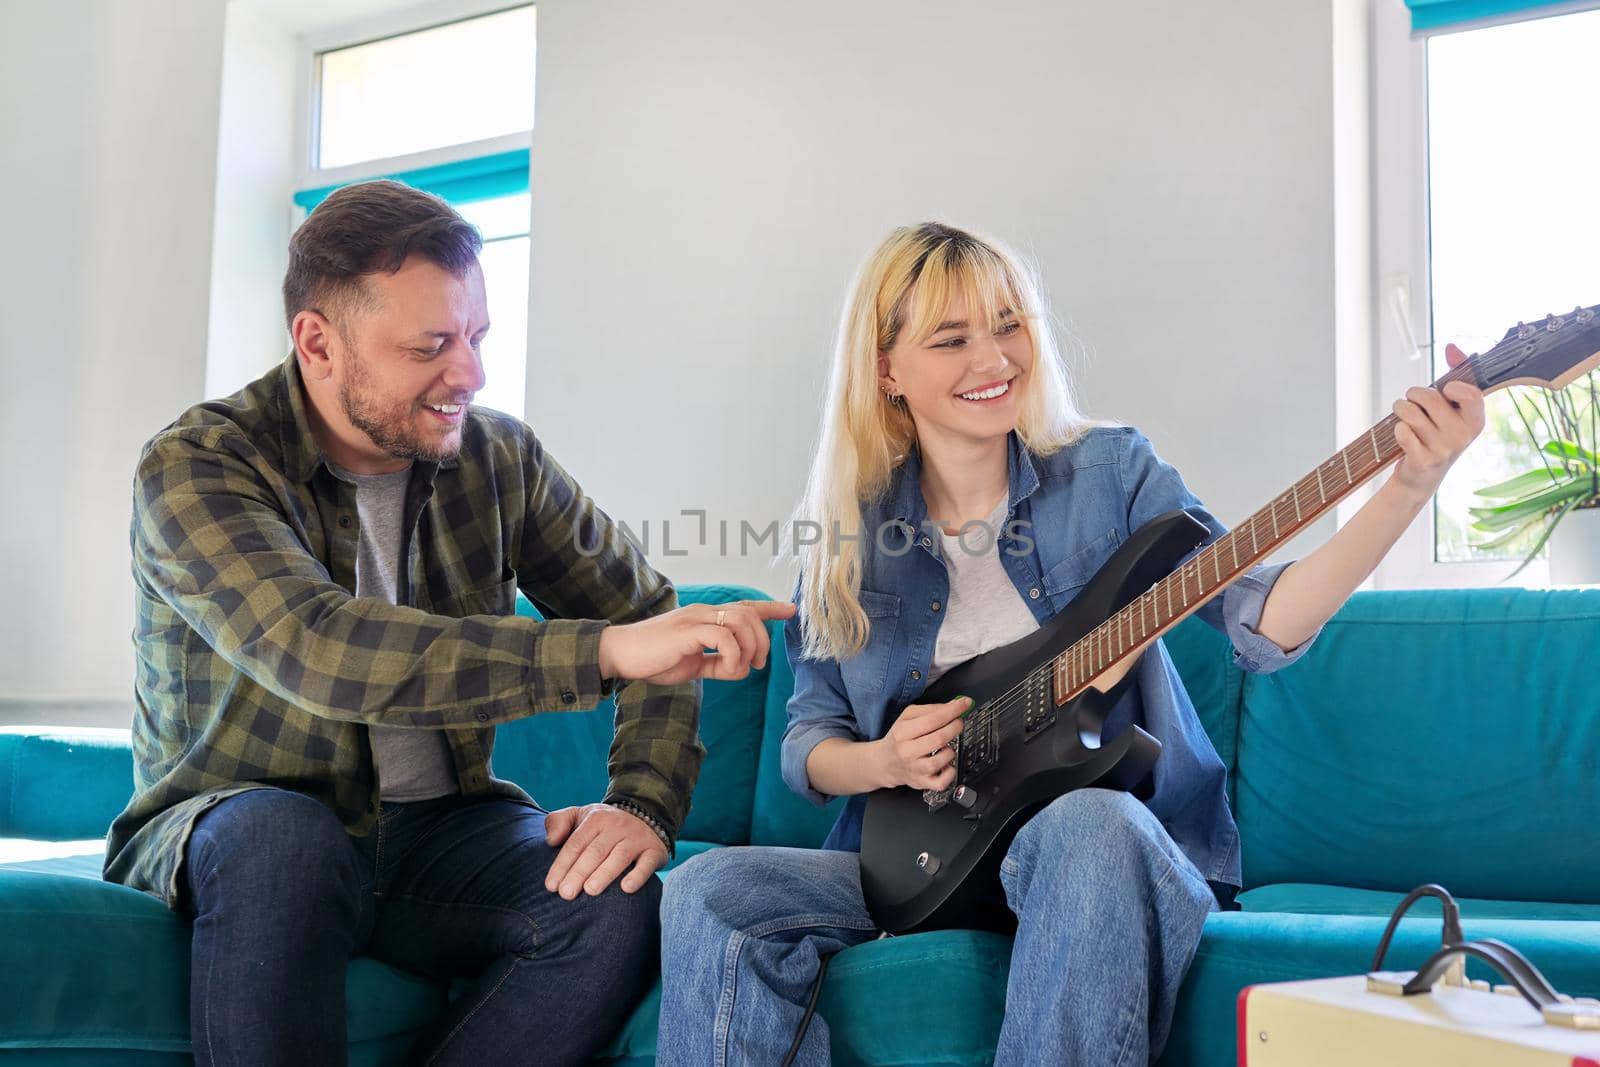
(1377, 456)
(1322, 494)
(1346, 457)
(1233, 546)
(1274, 514)
(1295, 492)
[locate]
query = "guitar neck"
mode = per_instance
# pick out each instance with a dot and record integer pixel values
(1215, 567)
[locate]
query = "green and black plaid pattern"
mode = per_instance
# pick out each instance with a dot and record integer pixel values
(257, 666)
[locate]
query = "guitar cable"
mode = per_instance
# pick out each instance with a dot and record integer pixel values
(811, 1009)
(1451, 936)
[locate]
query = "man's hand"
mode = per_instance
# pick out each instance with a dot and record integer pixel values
(599, 842)
(670, 649)
(1435, 429)
(916, 751)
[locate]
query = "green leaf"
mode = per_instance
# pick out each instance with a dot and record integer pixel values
(1572, 451)
(1503, 539)
(1506, 538)
(1500, 516)
(1531, 482)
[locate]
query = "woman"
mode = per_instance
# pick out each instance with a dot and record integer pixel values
(948, 407)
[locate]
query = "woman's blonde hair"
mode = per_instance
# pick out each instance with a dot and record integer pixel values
(917, 271)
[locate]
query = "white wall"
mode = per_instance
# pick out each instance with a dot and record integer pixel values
(707, 174)
(255, 177)
(108, 111)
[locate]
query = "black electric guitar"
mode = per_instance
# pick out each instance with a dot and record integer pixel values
(931, 860)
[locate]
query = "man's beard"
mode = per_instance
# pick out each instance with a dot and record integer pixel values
(389, 426)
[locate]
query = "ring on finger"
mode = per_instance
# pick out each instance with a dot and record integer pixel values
(721, 615)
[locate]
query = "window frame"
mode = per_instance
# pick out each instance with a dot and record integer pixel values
(1402, 275)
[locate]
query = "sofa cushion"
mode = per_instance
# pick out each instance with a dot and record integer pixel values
(891, 1001)
(560, 758)
(1365, 764)
(34, 763)
(89, 964)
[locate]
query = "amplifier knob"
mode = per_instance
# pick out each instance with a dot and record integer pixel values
(928, 864)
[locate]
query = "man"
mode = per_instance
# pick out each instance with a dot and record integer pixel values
(326, 564)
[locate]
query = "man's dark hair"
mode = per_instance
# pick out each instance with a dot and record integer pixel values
(366, 228)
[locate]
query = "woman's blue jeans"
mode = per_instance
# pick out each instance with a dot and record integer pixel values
(1109, 914)
(282, 897)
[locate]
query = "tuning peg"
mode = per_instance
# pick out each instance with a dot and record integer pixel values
(1551, 322)
(1582, 315)
(1524, 331)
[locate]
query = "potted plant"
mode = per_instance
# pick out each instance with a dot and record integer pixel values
(1559, 501)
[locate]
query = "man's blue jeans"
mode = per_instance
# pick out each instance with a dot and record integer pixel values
(1109, 914)
(282, 897)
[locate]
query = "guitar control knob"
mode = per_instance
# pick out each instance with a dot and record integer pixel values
(965, 796)
(928, 864)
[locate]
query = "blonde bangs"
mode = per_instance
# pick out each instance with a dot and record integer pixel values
(970, 274)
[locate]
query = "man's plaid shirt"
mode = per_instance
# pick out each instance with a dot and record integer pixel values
(257, 666)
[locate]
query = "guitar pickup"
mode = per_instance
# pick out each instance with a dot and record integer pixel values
(978, 751)
(1039, 711)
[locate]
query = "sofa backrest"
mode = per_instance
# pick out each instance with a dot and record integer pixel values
(1447, 736)
(62, 783)
(561, 758)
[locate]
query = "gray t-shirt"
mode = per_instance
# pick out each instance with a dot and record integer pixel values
(984, 609)
(412, 764)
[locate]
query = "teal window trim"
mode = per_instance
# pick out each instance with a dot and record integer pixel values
(1431, 15)
(460, 182)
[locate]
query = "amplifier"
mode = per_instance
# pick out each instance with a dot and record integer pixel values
(1339, 1022)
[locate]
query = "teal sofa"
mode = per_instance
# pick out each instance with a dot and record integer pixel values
(1449, 736)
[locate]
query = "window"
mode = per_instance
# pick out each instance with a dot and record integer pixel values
(448, 109)
(1511, 169)
(467, 81)
(1484, 164)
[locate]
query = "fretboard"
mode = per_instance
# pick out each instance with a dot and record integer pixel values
(1213, 568)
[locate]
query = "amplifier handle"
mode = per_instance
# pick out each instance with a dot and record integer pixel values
(1510, 964)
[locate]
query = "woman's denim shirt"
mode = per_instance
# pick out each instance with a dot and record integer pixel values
(1079, 505)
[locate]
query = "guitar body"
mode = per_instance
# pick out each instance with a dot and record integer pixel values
(935, 865)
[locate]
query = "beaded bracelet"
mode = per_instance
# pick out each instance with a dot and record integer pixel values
(623, 804)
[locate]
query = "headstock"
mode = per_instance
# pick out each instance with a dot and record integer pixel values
(1551, 353)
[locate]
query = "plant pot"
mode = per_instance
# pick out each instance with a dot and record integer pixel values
(1575, 548)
